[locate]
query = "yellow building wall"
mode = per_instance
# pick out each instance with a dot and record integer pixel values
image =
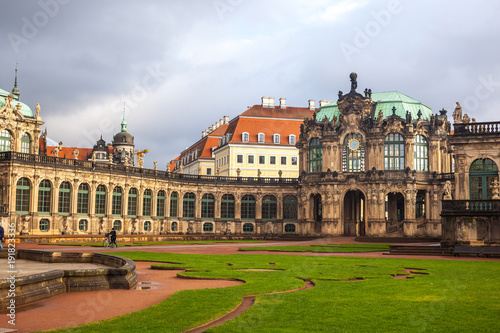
(227, 158)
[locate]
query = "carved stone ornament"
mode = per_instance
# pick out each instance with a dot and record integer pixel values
(447, 191)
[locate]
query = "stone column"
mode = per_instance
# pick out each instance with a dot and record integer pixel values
(154, 204)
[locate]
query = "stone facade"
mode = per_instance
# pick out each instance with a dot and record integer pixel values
(365, 169)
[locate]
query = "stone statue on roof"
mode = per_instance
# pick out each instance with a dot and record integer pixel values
(457, 114)
(76, 153)
(37, 110)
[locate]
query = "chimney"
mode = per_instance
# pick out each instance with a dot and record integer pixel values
(214, 127)
(226, 120)
(324, 102)
(221, 122)
(311, 104)
(282, 103)
(268, 102)
(203, 134)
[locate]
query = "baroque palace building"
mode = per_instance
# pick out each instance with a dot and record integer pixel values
(379, 164)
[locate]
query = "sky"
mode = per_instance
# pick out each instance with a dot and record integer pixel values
(181, 65)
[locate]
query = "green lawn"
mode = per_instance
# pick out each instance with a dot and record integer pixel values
(454, 296)
(200, 242)
(327, 248)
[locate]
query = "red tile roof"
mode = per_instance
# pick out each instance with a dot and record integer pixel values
(278, 112)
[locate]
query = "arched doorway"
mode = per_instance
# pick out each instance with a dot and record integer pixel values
(394, 208)
(354, 213)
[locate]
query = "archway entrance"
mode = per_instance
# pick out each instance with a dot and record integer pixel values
(394, 208)
(354, 213)
(317, 212)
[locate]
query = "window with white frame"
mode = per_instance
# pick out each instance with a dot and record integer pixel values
(239, 158)
(262, 159)
(291, 139)
(261, 138)
(283, 160)
(250, 159)
(294, 160)
(272, 159)
(244, 136)
(276, 138)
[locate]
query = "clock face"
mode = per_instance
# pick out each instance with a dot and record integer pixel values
(354, 144)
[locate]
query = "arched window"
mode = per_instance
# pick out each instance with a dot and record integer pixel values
(481, 173)
(173, 226)
(248, 227)
(44, 225)
(261, 138)
(248, 207)
(5, 140)
(44, 195)
(173, 204)
(146, 203)
(244, 136)
(132, 202)
(291, 139)
(23, 191)
(116, 207)
(290, 207)
(227, 207)
(100, 200)
(276, 138)
(64, 198)
(25, 143)
(207, 206)
(421, 154)
(315, 155)
(82, 205)
(289, 228)
(208, 227)
(83, 225)
(353, 153)
(189, 205)
(160, 204)
(269, 207)
(394, 152)
(117, 225)
(147, 226)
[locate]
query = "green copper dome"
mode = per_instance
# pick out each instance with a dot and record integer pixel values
(25, 110)
(385, 102)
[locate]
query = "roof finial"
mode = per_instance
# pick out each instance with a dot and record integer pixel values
(124, 123)
(15, 91)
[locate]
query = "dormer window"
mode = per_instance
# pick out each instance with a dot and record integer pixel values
(291, 139)
(276, 138)
(261, 138)
(244, 137)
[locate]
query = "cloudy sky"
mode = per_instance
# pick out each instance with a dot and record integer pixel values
(181, 65)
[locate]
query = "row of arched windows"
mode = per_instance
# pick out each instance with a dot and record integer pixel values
(6, 136)
(227, 205)
(353, 153)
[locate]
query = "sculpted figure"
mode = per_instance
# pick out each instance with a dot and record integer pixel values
(447, 191)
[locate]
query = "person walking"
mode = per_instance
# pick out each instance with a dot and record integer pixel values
(112, 235)
(2, 236)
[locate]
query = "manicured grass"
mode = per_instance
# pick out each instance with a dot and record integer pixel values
(453, 296)
(197, 242)
(327, 248)
(156, 243)
(83, 244)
